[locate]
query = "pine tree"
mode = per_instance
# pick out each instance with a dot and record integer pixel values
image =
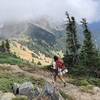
(89, 54)
(7, 46)
(72, 48)
(3, 47)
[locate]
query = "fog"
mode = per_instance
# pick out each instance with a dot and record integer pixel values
(14, 10)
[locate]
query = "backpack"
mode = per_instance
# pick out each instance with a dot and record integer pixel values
(60, 63)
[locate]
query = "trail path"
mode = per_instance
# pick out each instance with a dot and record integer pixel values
(70, 89)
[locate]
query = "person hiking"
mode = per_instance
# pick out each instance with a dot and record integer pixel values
(59, 69)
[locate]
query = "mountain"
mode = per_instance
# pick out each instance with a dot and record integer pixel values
(42, 35)
(35, 37)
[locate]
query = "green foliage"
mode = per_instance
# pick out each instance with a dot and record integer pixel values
(79, 70)
(7, 46)
(7, 79)
(94, 81)
(66, 96)
(80, 82)
(6, 58)
(72, 44)
(84, 81)
(89, 55)
(3, 47)
(87, 89)
(10, 59)
(39, 63)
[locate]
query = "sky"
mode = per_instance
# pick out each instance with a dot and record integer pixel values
(55, 9)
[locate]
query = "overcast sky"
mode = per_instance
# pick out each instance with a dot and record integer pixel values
(31, 9)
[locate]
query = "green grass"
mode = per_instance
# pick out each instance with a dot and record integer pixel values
(87, 89)
(84, 81)
(7, 78)
(66, 96)
(6, 81)
(10, 59)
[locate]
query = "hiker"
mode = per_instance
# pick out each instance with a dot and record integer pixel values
(59, 69)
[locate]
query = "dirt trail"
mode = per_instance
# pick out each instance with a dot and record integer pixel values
(72, 90)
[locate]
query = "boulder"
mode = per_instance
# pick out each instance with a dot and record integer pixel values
(23, 89)
(51, 92)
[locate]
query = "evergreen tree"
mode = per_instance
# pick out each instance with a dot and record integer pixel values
(89, 55)
(3, 47)
(72, 48)
(7, 46)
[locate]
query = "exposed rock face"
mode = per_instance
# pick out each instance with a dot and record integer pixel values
(26, 54)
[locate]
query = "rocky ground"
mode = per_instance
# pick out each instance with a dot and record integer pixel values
(73, 92)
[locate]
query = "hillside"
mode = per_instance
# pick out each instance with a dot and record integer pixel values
(41, 37)
(25, 53)
(13, 73)
(33, 36)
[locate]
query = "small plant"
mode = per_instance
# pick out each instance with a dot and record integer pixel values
(66, 96)
(39, 63)
(87, 89)
(84, 82)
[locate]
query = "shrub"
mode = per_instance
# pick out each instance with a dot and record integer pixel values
(39, 63)
(87, 89)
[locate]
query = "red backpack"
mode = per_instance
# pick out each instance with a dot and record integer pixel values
(60, 63)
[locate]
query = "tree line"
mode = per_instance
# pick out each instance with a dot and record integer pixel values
(5, 46)
(81, 56)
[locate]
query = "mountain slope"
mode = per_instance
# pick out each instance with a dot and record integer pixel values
(38, 37)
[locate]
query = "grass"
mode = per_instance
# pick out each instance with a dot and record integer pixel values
(86, 84)
(84, 81)
(87, 89)
(80, 76)
(66, 96)
(7, 79)
(6, 76)
(9, 59)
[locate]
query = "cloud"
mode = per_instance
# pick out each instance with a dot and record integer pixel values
(31, 9)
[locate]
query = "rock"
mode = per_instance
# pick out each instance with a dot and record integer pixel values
(15, 88)
(23, 89)
(7, 96)
(51, 92)
(36, 92)
(96, 89)
(49, 89)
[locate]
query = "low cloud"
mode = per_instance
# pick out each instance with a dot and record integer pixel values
(31, 9)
